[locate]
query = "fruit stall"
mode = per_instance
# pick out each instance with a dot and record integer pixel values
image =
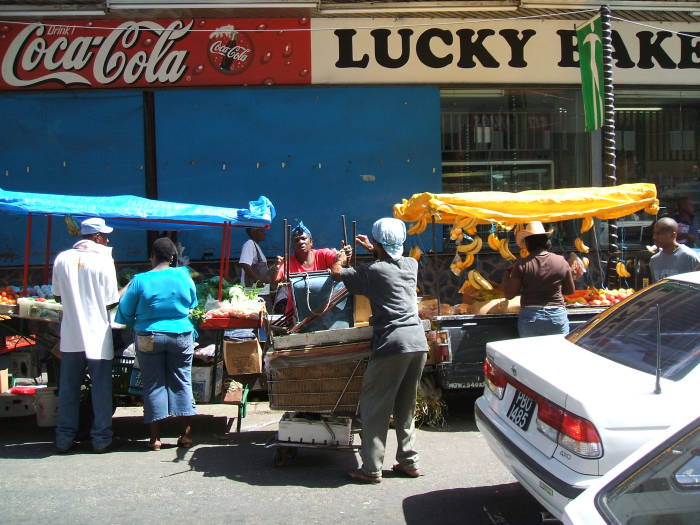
(491, 219)
(29, 316)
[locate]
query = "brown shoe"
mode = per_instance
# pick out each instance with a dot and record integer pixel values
(410, 472)
(360, 476)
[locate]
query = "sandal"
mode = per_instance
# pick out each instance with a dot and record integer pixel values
(184, 442)
(410, 472)
(359, 475)
(154, 446)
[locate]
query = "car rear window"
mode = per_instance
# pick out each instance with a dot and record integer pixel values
(629, 335)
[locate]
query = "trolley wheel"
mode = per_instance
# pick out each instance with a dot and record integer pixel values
(282, 453)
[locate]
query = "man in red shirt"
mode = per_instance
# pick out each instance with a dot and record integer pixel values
(304, 259)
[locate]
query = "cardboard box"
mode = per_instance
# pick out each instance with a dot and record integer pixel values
(363, 311)
(329, 431)
(243, 357)
(202, 377)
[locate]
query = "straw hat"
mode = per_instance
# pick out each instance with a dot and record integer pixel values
(532, 228)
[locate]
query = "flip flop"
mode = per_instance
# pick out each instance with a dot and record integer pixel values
(184, 442)
(410, 472)
(360, 476)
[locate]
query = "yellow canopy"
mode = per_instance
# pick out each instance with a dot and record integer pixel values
(507, 208)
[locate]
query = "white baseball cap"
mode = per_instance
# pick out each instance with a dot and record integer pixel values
(94, 225)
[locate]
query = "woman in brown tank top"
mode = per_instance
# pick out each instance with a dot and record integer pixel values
(541, 279)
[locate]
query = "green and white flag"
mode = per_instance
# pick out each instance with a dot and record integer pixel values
(590, 50)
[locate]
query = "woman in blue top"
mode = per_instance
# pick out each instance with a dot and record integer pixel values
(157, 305)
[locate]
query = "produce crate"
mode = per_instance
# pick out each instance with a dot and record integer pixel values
(122, 366)
(313, 382)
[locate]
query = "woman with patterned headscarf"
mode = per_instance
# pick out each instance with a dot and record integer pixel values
(399, 348)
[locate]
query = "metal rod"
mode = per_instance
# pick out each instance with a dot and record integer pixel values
(287, 249)
(354, 243)
(612, 280)
(435, 263)
(221, 263)
(27, 248)
(345, 229)
(657, 388)
(47, 254)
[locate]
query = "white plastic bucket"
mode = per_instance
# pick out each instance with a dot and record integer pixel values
(46, 402)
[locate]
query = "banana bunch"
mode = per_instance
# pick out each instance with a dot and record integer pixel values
(587, 224)
(467, 225)
(478, 281)
(621, 270)
(416, 253)
(73, 228)
(493, 241)
(504, 250)
(471, 248)
(458, 266)
(580, 246)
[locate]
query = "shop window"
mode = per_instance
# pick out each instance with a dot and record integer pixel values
(514, 140)
(658, 141)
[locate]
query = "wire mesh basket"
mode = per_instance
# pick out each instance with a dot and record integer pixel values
(323, 387)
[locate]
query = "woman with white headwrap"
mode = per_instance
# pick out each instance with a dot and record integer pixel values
(399, 348)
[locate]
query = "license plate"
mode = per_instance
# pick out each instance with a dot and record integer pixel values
(521, 410)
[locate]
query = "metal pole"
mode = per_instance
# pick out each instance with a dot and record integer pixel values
(354, 243)
(608, 134)
(27, 249)
(435, 264)
(47, 253)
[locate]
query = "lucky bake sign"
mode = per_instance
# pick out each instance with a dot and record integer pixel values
(155, 53)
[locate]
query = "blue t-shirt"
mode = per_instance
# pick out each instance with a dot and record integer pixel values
(159, 301)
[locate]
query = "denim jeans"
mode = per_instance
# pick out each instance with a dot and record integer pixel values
(72, 375)
(542, 320)
(166, 373)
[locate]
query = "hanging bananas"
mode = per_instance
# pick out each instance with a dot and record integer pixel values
(580, 246)
(493, 241)
(472, 247)
(415, 252)
(621, 270)
(587, 224)
(504, 250)
(458, 266)
(478, 281)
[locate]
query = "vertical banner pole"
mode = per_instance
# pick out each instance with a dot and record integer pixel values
(608, 131)
(27, 249)
(435, 264)
(47, 255)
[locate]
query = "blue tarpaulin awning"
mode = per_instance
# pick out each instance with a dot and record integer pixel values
(130, 211)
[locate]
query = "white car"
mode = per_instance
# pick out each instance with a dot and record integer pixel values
(560, 412)
(659, 483)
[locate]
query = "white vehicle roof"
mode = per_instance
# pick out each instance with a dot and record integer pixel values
(690, 277)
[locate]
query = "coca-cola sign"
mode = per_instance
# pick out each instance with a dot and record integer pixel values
(190, 52)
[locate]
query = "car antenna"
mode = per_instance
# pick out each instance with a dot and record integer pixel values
(657, 388)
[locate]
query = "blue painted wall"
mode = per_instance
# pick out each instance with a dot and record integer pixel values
(71, 143)
(353, 151)
(228, 146)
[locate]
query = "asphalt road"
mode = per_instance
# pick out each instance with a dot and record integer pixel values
(230, 478)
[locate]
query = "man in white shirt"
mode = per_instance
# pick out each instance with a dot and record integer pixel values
(85, 282)
(253, 262)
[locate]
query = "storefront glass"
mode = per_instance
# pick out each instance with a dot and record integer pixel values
(657, 140)
(513, 140)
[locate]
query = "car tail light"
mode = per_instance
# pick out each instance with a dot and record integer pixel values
(495, 378)
(572, 432)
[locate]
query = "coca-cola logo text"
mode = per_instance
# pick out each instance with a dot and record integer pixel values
(110, 57)
(238, 53)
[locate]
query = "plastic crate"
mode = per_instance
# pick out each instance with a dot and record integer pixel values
(122, 367)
